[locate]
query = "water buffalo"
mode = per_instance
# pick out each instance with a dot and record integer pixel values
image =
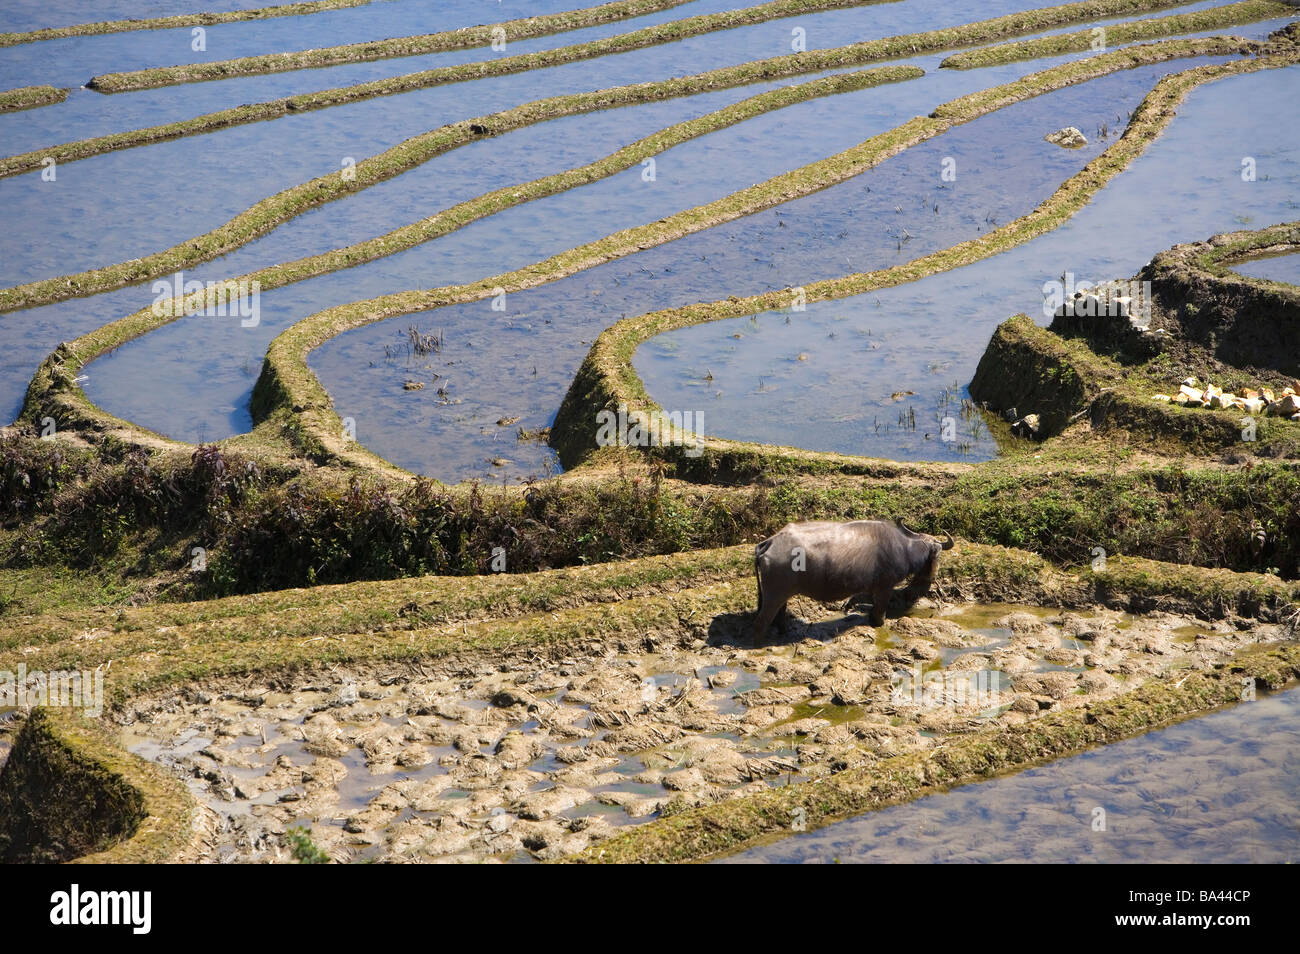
(831, 561)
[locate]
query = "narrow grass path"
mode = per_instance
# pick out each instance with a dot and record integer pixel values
(1214, 18)
(101, 27)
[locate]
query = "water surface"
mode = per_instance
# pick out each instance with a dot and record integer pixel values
(1220, 789)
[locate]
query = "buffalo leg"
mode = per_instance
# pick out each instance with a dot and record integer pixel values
(879, 603)
(766, 613)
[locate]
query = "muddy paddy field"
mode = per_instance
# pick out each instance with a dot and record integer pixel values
(541, 755)
(364, 575)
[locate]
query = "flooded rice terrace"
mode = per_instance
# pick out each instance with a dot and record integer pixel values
(514, 362)
(1220, 788)
(542, 753)
(825, 379)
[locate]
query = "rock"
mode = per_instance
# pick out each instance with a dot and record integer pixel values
(846, 683)
(791, 670)
(323, 737)
(513, 696)
(1253, 405)
(763, 716)
(1068, 137)
(1020, 622)
(1162, 398)
(686, 780)
(1027, 426)
(1193, 395)
(413, 756)
(1285, 406)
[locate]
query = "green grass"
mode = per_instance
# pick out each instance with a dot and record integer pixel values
(30, 97)
(181, 20)
(1247, 11)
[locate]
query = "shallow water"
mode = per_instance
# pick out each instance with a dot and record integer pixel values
(1220, 789)
(71, 61)
(536, 344)
(1187, 185)
(130, 188)
(694, 172)
(208, 376)
(1279, 268)
(816, 237)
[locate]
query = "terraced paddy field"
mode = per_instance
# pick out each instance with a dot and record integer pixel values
(397, 399)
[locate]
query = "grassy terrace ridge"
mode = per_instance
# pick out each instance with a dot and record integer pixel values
(669, 32)
(735, 824)
(1065, 372)
(153, 656)
(29, 97)
(607, 378)
(275, 210)
(402, 603)
(692, 588)
(122, 522)
(1216, 256)
(459, 39)
(68, 792)
(794, 64)
(1062, 379)
(167, 645)
(1214, 18)
(180, 20)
